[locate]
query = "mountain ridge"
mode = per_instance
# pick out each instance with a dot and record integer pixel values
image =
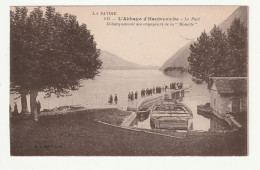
(179, 59)
(113, 62)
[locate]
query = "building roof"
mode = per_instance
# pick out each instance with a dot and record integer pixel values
(230, 85)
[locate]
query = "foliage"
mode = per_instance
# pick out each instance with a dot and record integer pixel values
(218, 54)
(237, 38)
(199, 58)
(50, 52)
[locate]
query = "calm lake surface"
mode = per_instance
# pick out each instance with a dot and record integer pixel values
(95, 93)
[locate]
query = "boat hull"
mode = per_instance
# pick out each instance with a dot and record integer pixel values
(173, 124)
(175, 117)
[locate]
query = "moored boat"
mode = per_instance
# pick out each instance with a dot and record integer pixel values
(143, 112)
(170, 115)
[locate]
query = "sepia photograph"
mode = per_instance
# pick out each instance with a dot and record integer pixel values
(129, 80)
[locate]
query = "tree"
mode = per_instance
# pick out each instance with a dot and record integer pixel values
(237, 39)
(55, 54)
(18, 32)
(200, 58)
(219, 55)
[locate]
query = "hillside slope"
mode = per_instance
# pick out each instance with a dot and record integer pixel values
(241, 12)
(113, 62)
(179, 59)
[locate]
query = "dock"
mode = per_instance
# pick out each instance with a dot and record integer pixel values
(148, 101)
(206, 110)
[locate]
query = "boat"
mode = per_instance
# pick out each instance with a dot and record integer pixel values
(142, 114)
(170, 115)
(143, 111)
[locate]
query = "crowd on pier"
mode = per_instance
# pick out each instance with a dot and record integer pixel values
(147, 92)
(176, 86)
(155, 90)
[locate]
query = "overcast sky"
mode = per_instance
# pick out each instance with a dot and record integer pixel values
(147, 45)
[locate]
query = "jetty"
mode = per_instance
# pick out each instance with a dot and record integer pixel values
(207, 110)
(148, 101)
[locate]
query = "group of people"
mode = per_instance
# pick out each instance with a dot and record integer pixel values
(176, 86)
(150, 91)
(111, 99)
(159, 89)
(146, 92)
(132, 96)
(155, 90)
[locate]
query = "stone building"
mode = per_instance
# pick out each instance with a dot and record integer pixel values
(228, 95)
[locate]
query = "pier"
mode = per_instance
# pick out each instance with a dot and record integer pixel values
(207, 110)
(148, 101)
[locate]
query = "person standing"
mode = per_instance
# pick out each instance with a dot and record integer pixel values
(129, 96)
(115, 99)
(174, 86)
(132, 96)
(110, 100)
(38, 105)
(15, 109)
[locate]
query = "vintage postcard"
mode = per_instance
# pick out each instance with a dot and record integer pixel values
(128, 81)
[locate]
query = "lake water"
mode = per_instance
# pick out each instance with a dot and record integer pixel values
(95, 93)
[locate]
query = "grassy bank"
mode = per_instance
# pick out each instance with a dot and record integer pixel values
(80, 134)
(111, 116)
